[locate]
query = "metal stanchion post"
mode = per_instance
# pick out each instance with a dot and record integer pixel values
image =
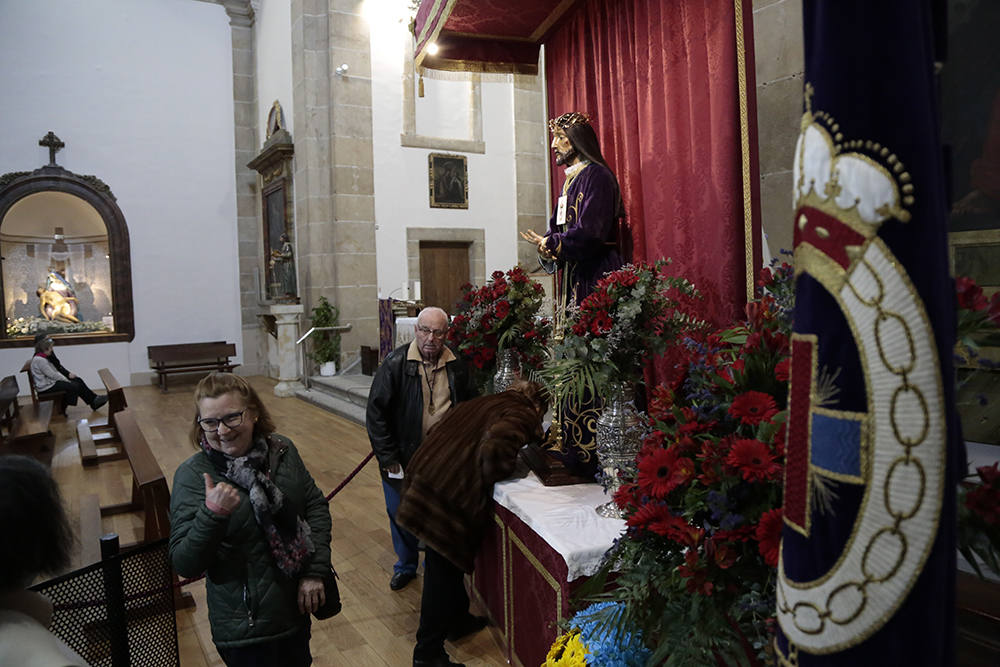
(114, 597)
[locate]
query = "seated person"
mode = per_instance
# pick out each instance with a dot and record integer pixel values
(448, 499)
(37, 539)
(50, 376)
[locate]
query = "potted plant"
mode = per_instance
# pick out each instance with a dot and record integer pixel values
(326, 344)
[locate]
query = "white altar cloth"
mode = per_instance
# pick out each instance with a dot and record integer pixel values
(564, 517)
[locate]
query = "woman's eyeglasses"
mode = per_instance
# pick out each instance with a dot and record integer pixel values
(211, 424)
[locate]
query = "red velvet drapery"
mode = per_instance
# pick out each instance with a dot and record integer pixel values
(661, 80)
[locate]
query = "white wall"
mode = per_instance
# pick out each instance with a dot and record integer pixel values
(401, 189)
(273, 26)
(141, 93)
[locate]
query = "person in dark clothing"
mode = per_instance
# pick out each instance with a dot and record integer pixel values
(411, 391)
(447, 500)
(50, 376)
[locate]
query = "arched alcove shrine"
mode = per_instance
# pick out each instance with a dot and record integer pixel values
(64, 259)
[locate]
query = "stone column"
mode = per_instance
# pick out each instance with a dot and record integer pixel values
(289, 370)
(530, 156)
(241, 21)
(334, 172)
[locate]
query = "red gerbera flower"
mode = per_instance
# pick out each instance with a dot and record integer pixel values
(502, 309)
(601, 325)
(753, 407)
(754, 460)
(647, 514)
(661, 471)
(768, 536)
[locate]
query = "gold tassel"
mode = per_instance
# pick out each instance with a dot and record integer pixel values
(420, 84)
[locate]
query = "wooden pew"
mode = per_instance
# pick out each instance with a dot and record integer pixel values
(190, 358)
(99, 440)
(24, 429)
(55, 397)
(150, 494)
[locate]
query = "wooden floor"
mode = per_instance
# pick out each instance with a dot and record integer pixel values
(376, 626)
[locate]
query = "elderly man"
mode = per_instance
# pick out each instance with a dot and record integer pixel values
(412, 390)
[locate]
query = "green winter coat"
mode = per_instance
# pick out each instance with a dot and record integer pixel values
(249, 600)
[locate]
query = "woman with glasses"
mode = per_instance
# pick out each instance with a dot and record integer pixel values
(245, 511)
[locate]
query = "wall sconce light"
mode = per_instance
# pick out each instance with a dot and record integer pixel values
(341, 70)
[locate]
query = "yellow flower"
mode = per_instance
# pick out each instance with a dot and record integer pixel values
(568, 650)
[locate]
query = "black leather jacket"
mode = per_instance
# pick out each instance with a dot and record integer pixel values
(394, 418)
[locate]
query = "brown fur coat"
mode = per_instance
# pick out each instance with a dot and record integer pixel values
(448, 490)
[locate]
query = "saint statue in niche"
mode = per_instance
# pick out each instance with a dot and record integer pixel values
(57, 300)
(283, 269)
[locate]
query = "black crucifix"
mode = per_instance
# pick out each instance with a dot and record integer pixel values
(53, 143)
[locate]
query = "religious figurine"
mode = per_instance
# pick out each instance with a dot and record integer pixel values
(283, 267)
(57, 300)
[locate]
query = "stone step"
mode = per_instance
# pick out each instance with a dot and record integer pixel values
(343, 395)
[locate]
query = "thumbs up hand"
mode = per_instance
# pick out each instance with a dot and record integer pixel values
(221, 498)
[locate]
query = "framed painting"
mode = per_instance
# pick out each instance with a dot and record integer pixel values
(448, 177)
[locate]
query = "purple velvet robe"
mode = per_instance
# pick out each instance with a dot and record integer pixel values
(589, 239)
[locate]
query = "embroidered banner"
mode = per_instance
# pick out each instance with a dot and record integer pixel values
(867, 567)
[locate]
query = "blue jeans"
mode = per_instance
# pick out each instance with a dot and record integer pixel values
(404, 543)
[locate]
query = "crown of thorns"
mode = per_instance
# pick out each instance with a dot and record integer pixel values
(568, 120)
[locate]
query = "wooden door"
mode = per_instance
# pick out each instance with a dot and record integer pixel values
(444, 268)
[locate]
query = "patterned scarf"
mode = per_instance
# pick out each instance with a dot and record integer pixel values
(288, 536)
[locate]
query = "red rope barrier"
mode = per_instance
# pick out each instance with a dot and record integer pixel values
(351, 476)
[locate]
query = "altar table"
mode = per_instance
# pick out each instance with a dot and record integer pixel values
(543, 543)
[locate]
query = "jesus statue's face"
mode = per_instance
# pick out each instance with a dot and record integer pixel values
(563, 149)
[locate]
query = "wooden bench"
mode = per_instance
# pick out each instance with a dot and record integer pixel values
(190, 358)
(24, 429)
(150, 497)
(99, 440)
(55, 397)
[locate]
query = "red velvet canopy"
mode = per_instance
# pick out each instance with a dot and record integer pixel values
(485, 35)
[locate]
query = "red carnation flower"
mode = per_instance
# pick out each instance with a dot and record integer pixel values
(970, 295)
(989, 474)
(753, 407)
(984, 502)
(765, 277)
(661, 471)
(768, 536)
(782, 369)
(754, 460)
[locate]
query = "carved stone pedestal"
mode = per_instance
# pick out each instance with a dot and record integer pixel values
(286, 319)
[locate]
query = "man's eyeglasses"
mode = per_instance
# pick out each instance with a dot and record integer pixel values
(211, 424)
(427, 331)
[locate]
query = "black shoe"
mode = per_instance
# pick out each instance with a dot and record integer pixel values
(467, 626)
(440, 661)
(400, 579)
(98, 402)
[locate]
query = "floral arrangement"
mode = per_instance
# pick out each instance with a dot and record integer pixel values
(704, 513)
(978, 501)
(979, 520)
(631, 315)
(29, 326)
(978, 320)
(593, 641)
(501, 315)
